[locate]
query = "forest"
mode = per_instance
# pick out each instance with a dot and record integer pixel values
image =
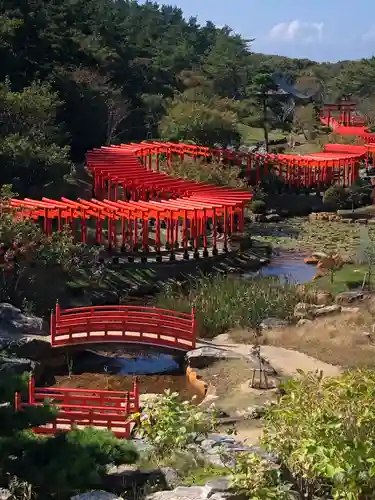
(77, 75)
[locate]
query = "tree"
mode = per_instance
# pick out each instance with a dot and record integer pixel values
(261, 88)
(196, 122)
(62, 465)
(31, 158)
(305, 121)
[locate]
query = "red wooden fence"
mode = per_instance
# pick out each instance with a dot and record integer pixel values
(123, 324)
(84, 407)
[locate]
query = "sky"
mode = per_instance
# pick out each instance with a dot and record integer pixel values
(322, 30)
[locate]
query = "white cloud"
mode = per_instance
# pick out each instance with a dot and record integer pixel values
(297, 31)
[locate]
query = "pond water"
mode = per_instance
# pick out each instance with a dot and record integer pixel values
(289, 266)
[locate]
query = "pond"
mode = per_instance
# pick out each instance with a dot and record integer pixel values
(289, 265)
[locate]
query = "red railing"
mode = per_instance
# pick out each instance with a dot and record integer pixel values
(129, 324)
(84, 407)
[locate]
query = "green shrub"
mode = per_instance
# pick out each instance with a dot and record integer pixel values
(329, 450)
(336, 197)
(223, 302)
(171, 425)
(258, 206)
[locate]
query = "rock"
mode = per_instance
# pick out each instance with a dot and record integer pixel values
(273, 218)
(206, 355)
(96, 495)
(323, 298)
(13, 321)
(353, 310)
(5, 494)
(303, 322)
(303, 310)
(216, 489)
(311, 260)
(124, 477)
(348, 297)
(310, 311)
(270, 323)
(325, 310)
(15, 366)
(319, 255)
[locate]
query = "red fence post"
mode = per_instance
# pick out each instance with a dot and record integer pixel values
(52, 327)
(17, 401)
(31, 390)
(193, 328)
(136, 394)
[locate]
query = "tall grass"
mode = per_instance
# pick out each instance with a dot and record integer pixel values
(223, 302)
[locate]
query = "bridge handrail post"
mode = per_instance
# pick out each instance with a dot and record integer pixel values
(193, 328)
(17, 402)
(136, 394)
(31, 389)
(53, 327)
(57, 311)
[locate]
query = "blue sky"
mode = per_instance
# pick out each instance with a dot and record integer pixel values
(323, 30)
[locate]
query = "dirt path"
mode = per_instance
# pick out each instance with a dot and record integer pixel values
(285, 361)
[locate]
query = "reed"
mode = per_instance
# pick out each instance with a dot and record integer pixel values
(224, 302)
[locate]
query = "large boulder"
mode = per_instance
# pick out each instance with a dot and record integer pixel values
(349, 297)
(14, 322)
(272, 323)
(96, 495)
(206, 355)
(216, 489)
(310, 311)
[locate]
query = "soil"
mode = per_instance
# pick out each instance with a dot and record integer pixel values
(150, 384)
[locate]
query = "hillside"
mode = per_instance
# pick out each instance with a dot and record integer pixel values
(82, 74)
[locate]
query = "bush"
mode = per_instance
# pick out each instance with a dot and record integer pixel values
(328, 451)
(258, 207)
(223, 302)
(171, 425)
(336, 197)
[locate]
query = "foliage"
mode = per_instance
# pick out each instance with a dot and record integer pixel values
(223, 302)
(31, 157)
(329, 450)
(258, 479)
(196, 122)
(258, 206)
(214, 173)
(171, 425)
(336, 197)
(61, 465)
(28, 258)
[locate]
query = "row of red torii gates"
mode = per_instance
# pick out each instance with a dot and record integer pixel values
(137, 206)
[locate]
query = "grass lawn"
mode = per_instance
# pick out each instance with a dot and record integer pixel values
(250, 135)
(350, 277)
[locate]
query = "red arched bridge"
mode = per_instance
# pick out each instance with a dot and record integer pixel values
(123, 324)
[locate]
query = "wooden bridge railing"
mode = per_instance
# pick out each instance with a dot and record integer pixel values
(110, 410)
(129, 324)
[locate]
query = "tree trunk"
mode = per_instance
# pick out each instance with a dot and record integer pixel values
(265, 129)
